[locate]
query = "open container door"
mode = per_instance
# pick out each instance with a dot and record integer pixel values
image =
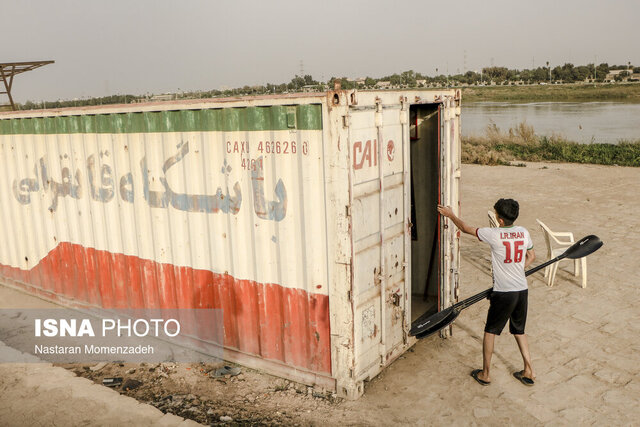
(425, 189)
(435, 173)
(449, 196)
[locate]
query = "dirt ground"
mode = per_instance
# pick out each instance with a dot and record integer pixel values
(584, 342)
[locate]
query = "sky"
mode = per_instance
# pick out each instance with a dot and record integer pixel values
(108, 47)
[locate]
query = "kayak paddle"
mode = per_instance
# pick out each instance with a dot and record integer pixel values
(425, 326)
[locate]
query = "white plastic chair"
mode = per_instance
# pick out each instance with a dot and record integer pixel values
(557, 243)
(493, 221)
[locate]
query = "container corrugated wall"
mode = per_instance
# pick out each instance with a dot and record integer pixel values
(210, 208)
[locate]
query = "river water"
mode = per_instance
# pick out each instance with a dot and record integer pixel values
(584, 122)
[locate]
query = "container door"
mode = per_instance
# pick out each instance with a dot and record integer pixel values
(425, 193)
(449, 195)
(379, 174)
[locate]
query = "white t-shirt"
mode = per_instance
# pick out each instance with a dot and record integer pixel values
(508, 250)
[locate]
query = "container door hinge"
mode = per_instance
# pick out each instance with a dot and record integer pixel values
(346, 122)
(349, 296)
(348, 210)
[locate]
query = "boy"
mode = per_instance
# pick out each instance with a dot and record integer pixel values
(508, 301)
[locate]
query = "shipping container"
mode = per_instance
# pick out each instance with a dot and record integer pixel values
(309, 219)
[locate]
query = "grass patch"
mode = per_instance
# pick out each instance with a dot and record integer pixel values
(522, 144)
(623, 92)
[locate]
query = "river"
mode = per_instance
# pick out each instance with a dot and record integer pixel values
(584, 122)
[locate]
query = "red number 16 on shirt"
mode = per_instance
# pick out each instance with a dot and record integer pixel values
(518, 250)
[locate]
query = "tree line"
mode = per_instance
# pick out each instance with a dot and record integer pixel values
(567, 73)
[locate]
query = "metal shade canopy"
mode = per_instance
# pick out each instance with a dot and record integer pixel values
(10, 69)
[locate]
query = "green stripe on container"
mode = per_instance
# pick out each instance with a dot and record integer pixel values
(276, 117)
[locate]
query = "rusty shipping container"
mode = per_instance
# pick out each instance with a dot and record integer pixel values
(308, 218)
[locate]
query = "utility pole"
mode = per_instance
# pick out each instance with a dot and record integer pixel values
(549, 72)
(464, 65)
(447, 74)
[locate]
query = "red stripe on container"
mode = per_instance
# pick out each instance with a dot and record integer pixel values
(271, 322)
(248, 317)
(134, 284)
(119, 278)
(263, 319)
(50, 271)
(67, 270)
(80, 279)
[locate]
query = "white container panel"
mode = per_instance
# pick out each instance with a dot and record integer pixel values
(187, 207)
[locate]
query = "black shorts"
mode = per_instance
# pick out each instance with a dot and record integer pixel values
(511, 306)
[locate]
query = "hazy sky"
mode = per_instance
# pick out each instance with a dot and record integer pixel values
(137, 46)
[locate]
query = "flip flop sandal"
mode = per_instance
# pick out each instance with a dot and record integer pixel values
(524, 380)
(475, 373)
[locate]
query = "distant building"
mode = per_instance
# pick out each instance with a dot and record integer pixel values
(383, 84)
(310, 88)
(163, 97)
(358, 82)
(611, 76)
(421, 82)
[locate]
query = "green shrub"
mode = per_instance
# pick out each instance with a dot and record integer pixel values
(521, 143)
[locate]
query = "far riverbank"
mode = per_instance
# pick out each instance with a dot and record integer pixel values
(624, 92)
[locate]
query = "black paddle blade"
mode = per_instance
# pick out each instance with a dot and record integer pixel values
(583, 247)
(424, 326)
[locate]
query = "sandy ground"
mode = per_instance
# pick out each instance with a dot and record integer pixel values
(40, 394)
(584, 342)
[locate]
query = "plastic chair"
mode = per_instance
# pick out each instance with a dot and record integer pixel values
(493, 221)
(557, 243)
